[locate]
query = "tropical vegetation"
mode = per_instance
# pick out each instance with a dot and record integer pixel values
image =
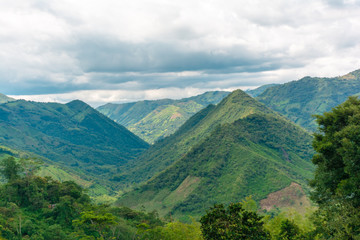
(156, 119)
(300, 100)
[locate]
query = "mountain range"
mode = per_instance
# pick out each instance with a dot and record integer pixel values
(222, 154)
(212, 148)
(257, 91)
(72, 134)
(153, 120)
(300, 100)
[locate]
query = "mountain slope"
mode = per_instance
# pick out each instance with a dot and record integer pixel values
(71, 134)
(257, 91)
(5, 99)
(299, 100)
(257, 154)
(48, 168)
(152, 120)
(163, 153)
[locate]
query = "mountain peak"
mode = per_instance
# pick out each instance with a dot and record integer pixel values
(352, 75)
(5, 99)
(78, 105)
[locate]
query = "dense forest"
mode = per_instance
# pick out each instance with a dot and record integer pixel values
(33, 207)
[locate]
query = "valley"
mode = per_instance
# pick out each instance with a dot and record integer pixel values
(177, 158)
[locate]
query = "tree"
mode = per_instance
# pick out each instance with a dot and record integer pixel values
(96, 222)
(337, 179)
(10, 168)
(232, 223)
(289, 230)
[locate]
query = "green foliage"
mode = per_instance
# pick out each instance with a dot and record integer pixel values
(72, 135)
(10, 169)
(165, 152)
(290, 224)
(91, 222)
(338, 151)
(299, 100)
(33, 207)
(153, 120)
(336, 183)
(289, 230)
(171, 231)
(337, 221)
(235, 161)
(232, 223)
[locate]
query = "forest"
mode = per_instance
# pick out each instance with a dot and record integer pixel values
(33, 207)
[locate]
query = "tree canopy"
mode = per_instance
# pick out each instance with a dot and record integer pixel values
(337, 179)
(232, 223)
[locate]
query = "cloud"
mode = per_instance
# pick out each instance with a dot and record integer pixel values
(67, 47)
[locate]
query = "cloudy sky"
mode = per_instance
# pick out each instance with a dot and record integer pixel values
(120, 51)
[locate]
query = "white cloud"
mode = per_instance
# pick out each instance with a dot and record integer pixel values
(138, 47)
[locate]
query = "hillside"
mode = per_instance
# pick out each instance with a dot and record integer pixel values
(170, 149)
(5, 99)
(72, 134)
(258, 153)
(153, 120)
(299, 100)
(257, 91)
(48, 168)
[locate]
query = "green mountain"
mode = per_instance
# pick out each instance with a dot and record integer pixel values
(153, 120)
(72, 134)
(257, 91)
(299, 100)
(5, 99)
(166, 151)
(227, 152)
(48, 168)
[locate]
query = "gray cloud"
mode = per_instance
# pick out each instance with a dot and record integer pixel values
(107, 54)
(64, 47)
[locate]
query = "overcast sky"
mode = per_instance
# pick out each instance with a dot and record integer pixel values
(120, 51)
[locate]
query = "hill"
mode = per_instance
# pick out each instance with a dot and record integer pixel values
(47, 168)
(299, 100)
(238, 148)
(170, 149)
(5, 99)
(72, 134)
(153, 120)
(257, 91)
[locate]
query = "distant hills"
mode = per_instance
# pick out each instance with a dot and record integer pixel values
(5, 99)
(299, 100)
(48, 168)
(221, 154)
(153, 120)
(170, 149)
(72, 134)
(257, 91)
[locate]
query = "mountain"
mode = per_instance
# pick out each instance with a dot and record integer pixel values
(257, 91)
(72, 134)
(153, 120)
(168, 150)
(299, 100)
(48, 168)
(5, 99)
(229, 151)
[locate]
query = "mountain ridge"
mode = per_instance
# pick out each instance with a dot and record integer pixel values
(236, 159)
(168, 150)
(299, 100)
(154, 119)
(5, 99)
(73, 134)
